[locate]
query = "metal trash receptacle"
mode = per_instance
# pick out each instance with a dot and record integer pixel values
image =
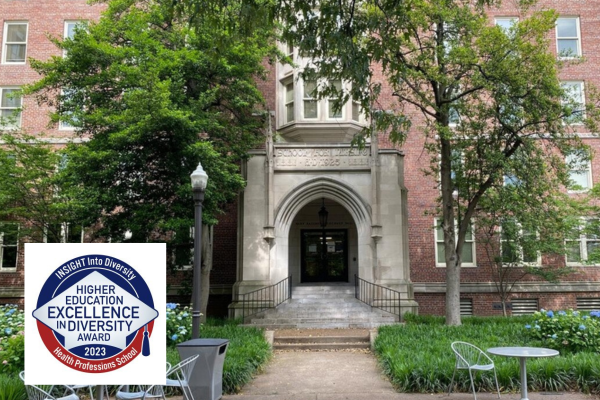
(206, 381)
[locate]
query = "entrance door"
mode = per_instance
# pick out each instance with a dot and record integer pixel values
(324, 255)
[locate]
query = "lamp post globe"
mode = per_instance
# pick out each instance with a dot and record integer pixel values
(199, 180)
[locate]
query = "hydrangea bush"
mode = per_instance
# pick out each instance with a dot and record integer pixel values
(567, 330)
(179, 324)
(12, 339)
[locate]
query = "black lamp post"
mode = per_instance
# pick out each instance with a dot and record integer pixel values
(323, 213)
(199, 180)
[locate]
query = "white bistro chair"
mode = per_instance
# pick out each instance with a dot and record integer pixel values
(179, 376)
(472, 358)
(142, 392)
(45, 392)
(75, 388)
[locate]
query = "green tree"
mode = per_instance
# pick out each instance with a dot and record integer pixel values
(477, 92)
(29, 197)
(153, 88)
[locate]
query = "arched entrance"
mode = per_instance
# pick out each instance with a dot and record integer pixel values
(326, 253)
(312, 253)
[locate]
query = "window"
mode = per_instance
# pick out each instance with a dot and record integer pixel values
(355, 110)
(335, 109)
(453, 117)
(289, 101)
(574, 102)
(67, 95)
(585, 246)
(468, 250)
(579, 173)
(9, 240)
(506, 23)
(567, 37)
(310, 103)
(184, 248)
(15, 42)
(10, 107)
(517, 245)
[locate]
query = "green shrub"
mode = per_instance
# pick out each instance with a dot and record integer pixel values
(179, 324)
(11, 388)
(418, 358)
(570, 331)
(12, 356)
(247, 353)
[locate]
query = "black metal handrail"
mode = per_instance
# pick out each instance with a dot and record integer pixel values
(378, 296)
(264, 298)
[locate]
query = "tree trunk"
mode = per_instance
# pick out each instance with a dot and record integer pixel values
(207, 262)
(452, 255)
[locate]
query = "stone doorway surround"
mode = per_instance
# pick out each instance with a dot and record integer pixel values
(284, 178)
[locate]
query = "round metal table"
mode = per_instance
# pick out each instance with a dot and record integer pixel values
(523, 353)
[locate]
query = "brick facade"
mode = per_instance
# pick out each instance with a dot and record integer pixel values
(46, 17)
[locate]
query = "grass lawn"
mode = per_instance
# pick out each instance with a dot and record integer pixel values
(417, 357)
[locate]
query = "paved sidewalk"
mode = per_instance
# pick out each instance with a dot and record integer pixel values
(347, 376)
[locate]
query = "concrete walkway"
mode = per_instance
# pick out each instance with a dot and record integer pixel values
(347, 376)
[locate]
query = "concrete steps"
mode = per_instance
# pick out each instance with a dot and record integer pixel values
(315, 343)
(322, 306)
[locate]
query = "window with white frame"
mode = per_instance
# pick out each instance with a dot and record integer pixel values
(585, 246)
(70, 28)
(506, 23)
(310, 103)
(517, 245)
(468, 250)
(568, 44)
(9, 245)
(580, 174)
(63, 124)
(289, 100)
(574, 101)
(10, 107)
(15, 42)
(335, 109)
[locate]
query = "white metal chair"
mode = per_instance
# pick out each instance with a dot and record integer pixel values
(75, 388)
(45, 392)
(179, 376)
(142, 392)
(472, 358)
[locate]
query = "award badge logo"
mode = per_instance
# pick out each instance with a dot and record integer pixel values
(95, 314)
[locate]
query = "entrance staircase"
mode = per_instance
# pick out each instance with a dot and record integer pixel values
(325, 306)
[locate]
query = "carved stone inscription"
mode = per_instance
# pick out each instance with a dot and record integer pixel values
(301, 158)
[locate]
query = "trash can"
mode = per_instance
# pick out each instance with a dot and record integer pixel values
(206, 381)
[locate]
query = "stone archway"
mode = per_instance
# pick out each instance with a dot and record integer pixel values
(297, 198)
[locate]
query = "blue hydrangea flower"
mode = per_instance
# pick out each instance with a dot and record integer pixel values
(562, 313)
(550, 313)
(171, 306)
(595, 314)
(537, 327)
(527, 326)
(182, 328)
(582, 327)
(585, 317)
(174, 337)
(554, 336)
(7, 331)
(185, 314)
(575, 313)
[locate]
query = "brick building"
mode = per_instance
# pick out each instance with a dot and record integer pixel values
(376, 198)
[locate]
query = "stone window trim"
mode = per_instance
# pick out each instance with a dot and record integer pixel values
(582, 241)
(565, 36)
(10, 106)
(585, 173)
(522, 263)
(14, 45)
(439, 240)
(8, 249)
